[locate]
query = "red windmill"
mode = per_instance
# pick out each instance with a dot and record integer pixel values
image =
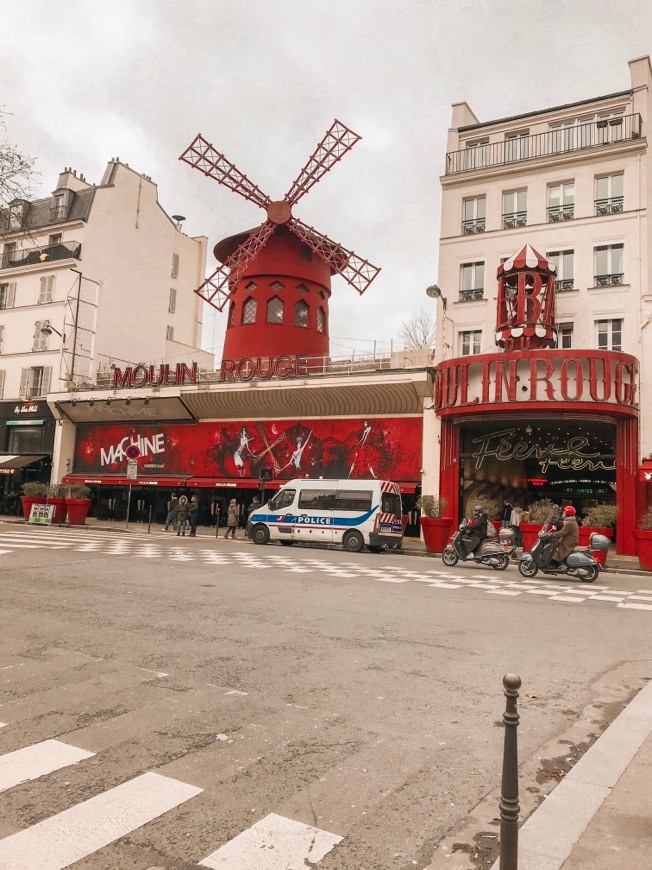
(276, 289)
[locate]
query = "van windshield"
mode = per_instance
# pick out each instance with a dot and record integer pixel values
(282, 499)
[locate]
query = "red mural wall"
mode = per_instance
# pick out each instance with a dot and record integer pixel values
(359, 448)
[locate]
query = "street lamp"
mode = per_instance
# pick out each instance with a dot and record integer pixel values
(48, 330)
(434, 291)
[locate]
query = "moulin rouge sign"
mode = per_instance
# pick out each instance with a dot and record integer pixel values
(155, 376)
(540, 376)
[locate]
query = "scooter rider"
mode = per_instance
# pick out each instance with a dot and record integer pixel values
(475, 531)
(555, 518)
(568, 537)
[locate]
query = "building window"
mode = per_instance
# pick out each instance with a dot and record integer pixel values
(610, 334)
(561, 202)
(275, 310)
(172, 302)
(250, 286)
(477, 154)
(276, 285)
(302, 288)
(7, 294)
(565, 335)
(16, 213)
(563, 136)
(563, 260)
(35, 382)
(26, 439)
(54, 239)
(175, 266)
(46, 291)
(472, 282)
(2, 384)
(231, 320)
(514, 209)
(609, 198)
(469, 342)
(517, 145)
(473, 215)
(321, 320)
(608, 265)
(249, 310)
(2, 335)
(8, 254)
(40, 341)
(58, 211)
(169, 333)
(301, 313)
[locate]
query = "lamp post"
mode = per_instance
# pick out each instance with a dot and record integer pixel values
(434, 292)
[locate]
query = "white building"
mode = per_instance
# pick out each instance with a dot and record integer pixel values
(574, 183)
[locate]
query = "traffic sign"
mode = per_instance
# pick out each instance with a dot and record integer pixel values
(133, 451)
(132, 469)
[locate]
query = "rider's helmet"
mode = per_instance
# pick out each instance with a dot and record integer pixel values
(569, 511)
(478, 510)
(555, 509)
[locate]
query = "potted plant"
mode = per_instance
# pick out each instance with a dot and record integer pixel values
(601, 519)
(77, 504)
(436, 527)
(33, 493)
(56, 496)
(536, 514)
(643, 536)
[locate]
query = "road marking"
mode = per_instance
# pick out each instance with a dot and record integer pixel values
(2, 552)
(570, 598)
(273, 843)
(3, 724)
(37, 760)
(635, 606)
(73, 834)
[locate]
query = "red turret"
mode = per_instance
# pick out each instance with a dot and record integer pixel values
(526, 302)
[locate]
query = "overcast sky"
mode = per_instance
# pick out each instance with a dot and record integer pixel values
(263, 80)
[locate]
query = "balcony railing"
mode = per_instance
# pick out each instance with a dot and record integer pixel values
(613, 280)
(549, 144)
(514, 220)
(476, 225)
(472, 295)
(563, 284)
(560, 213)
(613, 205)
(44, 254)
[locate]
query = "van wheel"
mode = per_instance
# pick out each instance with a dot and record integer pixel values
(287, 543)
(260, 534)
(353, 542)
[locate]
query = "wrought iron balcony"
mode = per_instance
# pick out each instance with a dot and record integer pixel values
(43, 254)
(472, 295)
(613, 205)
(609, 280)
(560, 213)
(549, 144)
(563, 284)
(476, 225)
(514, 220)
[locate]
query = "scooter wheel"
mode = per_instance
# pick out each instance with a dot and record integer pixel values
(502, 563)
(449, 558)
(588, 575)
(528, 569)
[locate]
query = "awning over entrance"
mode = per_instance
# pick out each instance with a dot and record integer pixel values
(12, 462)
(115, 480)
(234, 483)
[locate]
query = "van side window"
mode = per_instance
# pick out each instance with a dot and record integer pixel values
(282, 499)
(354, 500)
(391, 504)
(317, 499)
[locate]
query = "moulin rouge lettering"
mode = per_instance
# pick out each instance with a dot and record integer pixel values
(155, 376)
(147, 446)
(572, 455)
(264, 368)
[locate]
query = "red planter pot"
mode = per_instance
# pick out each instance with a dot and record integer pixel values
(436, 532)
(530, 532)
(28, 501)
(77, 510)
(644, 548)
(587, 531)
(60, 509)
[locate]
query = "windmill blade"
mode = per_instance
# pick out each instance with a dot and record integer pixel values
(219, 287)
(358, 272)
(201, 155)
(337, 141)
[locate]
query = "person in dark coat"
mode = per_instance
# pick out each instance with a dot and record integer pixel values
(193, 516)
(182, 516)
(568, 537)
(255, 504)
(475, 532)
(173, 512)
(506, 516)
(232, 518)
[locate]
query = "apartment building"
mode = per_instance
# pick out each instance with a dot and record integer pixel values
(573, 183)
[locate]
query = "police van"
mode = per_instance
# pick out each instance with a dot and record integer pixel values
(353, 513)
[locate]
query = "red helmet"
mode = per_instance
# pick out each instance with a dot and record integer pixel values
(569, 510)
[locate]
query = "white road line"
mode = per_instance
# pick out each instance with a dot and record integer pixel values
(73, 834)
(3, 724)
(567, 598)
(635, 606)
(2, 552)
(37, 760)
(273, 843)
(616, 598)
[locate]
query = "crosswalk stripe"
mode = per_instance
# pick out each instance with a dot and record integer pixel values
(81, 830)
(37, 760)
(273, 843)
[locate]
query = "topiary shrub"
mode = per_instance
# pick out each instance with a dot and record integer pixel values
(432, 506)
(35, 490)
(601, 516)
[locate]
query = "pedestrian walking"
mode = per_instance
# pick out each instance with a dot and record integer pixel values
(515, 524)
(232, 518)
(255, 504)
(193, 516)
(182, 516)
(173, 513)
(506, 515)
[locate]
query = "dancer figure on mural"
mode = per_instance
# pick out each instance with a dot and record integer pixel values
(363, 454)
(295, 459)
(243, 446)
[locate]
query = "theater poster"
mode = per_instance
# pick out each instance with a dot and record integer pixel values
(354, 448)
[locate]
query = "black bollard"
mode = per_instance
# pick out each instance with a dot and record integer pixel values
(509, 807)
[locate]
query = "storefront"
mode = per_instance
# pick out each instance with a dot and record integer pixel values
(26, 444)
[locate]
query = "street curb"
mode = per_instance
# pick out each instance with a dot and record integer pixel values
(547, 838)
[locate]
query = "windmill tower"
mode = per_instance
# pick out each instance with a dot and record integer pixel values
(275, 279)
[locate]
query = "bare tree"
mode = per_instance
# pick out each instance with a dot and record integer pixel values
(16, 168)
(419, 330)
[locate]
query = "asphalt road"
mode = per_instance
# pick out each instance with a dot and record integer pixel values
(204, 692)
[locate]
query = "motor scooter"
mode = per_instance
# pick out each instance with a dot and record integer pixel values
(489, 552)
(580, 563)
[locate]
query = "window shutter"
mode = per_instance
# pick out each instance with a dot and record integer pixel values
(2, 332)
(24, 380)
(36, 344)
(50, 288)
(172, 307)
(2, 384)
(11, 294)
(43, 291)
(175, 265)
(45, 383)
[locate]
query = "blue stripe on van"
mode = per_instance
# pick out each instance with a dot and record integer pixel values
(315, 520)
